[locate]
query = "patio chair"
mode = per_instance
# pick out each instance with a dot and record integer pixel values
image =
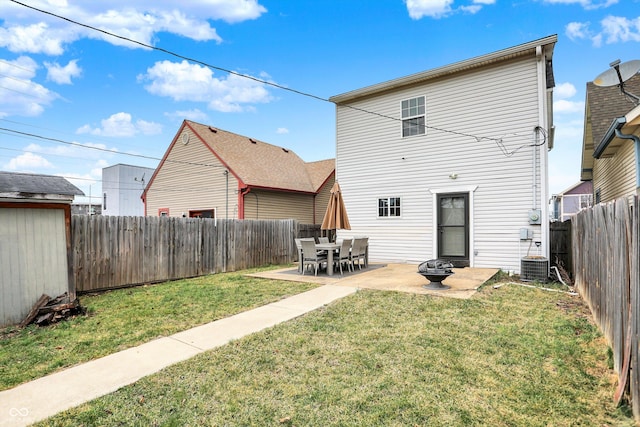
(359, 251)
(344, 255)
(311, 257)
(299, 247)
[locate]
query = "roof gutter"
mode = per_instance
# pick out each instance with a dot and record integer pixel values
(614, 131)
(617, 124)
(502, 55)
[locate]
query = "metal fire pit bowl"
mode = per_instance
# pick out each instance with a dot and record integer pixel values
(435, 270)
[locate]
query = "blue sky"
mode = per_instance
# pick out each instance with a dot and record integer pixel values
(119, 102)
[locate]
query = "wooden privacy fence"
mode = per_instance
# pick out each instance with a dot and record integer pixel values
(111, 251)
(605, 257)
(560, 245)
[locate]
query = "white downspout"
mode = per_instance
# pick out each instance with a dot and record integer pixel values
(542, 153)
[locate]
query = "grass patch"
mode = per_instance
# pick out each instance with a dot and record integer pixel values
(124, 318)
(511, 356)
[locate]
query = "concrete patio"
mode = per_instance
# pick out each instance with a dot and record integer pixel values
(392, 277)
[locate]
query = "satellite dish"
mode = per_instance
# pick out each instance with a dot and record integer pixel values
(618, 73)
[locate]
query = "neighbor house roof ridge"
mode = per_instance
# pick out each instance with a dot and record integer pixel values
(261, 164)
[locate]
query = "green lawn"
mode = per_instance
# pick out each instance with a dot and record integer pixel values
(511, 356)
(127, 317)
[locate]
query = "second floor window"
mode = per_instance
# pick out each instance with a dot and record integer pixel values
(413, 116)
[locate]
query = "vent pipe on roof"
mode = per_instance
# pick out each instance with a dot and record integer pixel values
(213, 129)
(253, 141)
(285, 150)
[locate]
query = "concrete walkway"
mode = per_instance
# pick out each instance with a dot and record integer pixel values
(42, 398)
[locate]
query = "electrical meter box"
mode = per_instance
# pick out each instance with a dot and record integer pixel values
(535, 216)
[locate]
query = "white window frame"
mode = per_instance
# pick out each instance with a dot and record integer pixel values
(408, 113)
(389, 207)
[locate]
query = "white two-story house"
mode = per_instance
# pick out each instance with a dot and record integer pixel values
(451, 163)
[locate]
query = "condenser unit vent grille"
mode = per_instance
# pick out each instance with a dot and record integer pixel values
(534, 269)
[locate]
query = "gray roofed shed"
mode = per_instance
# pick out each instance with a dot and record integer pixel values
(25, 185)
(35, 241)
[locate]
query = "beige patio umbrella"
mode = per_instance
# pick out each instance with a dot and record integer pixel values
(335, 218)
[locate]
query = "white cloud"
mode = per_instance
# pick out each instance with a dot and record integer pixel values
(35, 38)
(191, 82)
(577, 30)
(196, 115)
(620, 29)
(63, 74)
(28, 162)
(148, 128)
(568, 107)
(471, 9)
(586, 4)
(282, 131)
(431, 8)
(83, 151)
(441, 8)
(563, 105)
(25, 30)
(121, 125)
(19, 95)
(614, 29)
(564, 90)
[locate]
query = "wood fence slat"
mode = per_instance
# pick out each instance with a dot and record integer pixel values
(605, 252)
(111, 252)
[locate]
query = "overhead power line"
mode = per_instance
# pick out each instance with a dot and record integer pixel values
(498, 141)
(78, 145)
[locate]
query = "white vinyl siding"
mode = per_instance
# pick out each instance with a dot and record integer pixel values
(615, 176)
(372, 158)
(192, 178)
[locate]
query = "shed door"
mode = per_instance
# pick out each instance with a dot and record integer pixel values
(453, 228)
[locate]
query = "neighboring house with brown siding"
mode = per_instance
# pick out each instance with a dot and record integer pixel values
(209, 172)
(610, 146)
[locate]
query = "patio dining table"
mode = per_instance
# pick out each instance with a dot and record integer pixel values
(330, 249)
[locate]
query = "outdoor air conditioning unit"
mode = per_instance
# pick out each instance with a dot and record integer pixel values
(534, 269)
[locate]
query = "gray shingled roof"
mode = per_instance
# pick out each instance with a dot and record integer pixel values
(608, 103)
(33, 184)
(603, 105)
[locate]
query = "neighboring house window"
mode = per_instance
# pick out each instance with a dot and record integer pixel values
(163, 212)
(104, 201)
(413, 116)
(389, 206)
(586, 200)
(205, 213)
(597, 196)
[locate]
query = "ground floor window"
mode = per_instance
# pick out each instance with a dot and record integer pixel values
(163, 212)
(388, 206)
